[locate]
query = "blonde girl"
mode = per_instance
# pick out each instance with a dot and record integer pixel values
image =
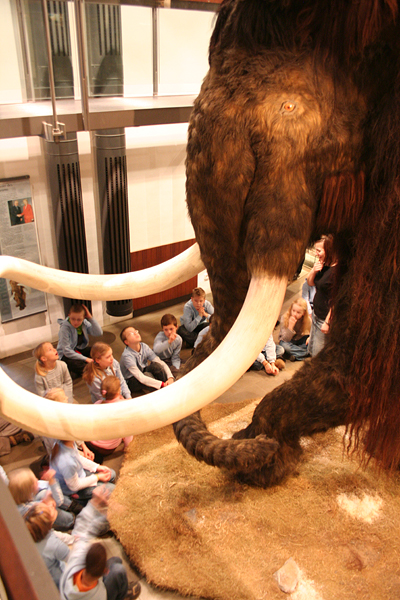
(40, 520)
(103, 364)
(295, 329)
(77, 475)
(111, 392)
(50, 372)
(27, 491)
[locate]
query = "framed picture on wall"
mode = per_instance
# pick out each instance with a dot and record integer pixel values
(18, 237)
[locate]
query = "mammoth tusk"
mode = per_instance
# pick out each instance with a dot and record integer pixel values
(198, 388)
(104, 287)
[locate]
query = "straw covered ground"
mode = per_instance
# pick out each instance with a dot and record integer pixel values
(192, 528)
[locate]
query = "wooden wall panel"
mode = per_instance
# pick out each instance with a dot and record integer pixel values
(154, 256)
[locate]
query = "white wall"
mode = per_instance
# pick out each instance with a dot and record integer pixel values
(156, 179)
(183, 54)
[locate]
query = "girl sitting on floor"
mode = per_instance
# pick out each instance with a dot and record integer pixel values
(77, 475)
(27, 490)
(39, 520)
(103, 364)
(50, 372)
(295, 329)
(111, 392)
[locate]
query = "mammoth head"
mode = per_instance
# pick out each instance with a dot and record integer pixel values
(273, 161)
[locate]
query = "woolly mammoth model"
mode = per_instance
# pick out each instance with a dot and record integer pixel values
(296, 133)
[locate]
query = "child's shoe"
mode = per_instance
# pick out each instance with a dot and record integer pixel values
(134, 591)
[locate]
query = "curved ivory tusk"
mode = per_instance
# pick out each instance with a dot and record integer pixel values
(104, 287)
(190, 393)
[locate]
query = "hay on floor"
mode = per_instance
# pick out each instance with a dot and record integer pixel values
(192, 528)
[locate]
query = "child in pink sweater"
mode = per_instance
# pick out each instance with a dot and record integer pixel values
(111, 392)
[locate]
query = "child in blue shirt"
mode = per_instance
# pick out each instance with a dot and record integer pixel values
(73, 339)
(167, 344)
(142, 369)
(269, 358)
(195, 316)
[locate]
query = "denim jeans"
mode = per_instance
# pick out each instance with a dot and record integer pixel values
(191, 336)
(317, 338)
(299, 351)
(116, 580)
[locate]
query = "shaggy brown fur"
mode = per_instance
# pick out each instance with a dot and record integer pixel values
(295, 133)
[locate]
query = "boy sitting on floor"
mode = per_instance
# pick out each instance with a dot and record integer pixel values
(142, 369)
(167, 344)
(88, 573)
(195, 316)
(73, 339)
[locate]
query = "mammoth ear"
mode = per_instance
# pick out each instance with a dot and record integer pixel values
(342, 201)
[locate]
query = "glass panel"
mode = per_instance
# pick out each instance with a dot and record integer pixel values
(119, 43)
(137, 50)
(60, 48)
(184, 38)
(119, 48)
(103, 35)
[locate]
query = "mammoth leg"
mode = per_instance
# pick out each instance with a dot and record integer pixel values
(313, 401)
(268, 449)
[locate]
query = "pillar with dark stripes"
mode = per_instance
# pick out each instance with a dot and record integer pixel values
(63, 173)
(110, 151)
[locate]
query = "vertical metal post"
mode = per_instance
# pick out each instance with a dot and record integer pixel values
(57, 132)
(155, 50)
(80, 34)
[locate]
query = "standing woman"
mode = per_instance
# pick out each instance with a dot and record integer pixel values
(103, 364)
(322, 277)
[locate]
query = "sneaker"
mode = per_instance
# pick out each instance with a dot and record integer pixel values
(280, 363)
(22, 436)
(292, 358)
(134, 591)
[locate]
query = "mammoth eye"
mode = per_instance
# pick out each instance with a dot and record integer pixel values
(288, 107)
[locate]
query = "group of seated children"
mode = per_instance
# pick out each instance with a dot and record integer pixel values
(73, 494)
(77, 565)
(141, 369)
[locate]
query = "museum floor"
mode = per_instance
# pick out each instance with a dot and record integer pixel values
(251, 385)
